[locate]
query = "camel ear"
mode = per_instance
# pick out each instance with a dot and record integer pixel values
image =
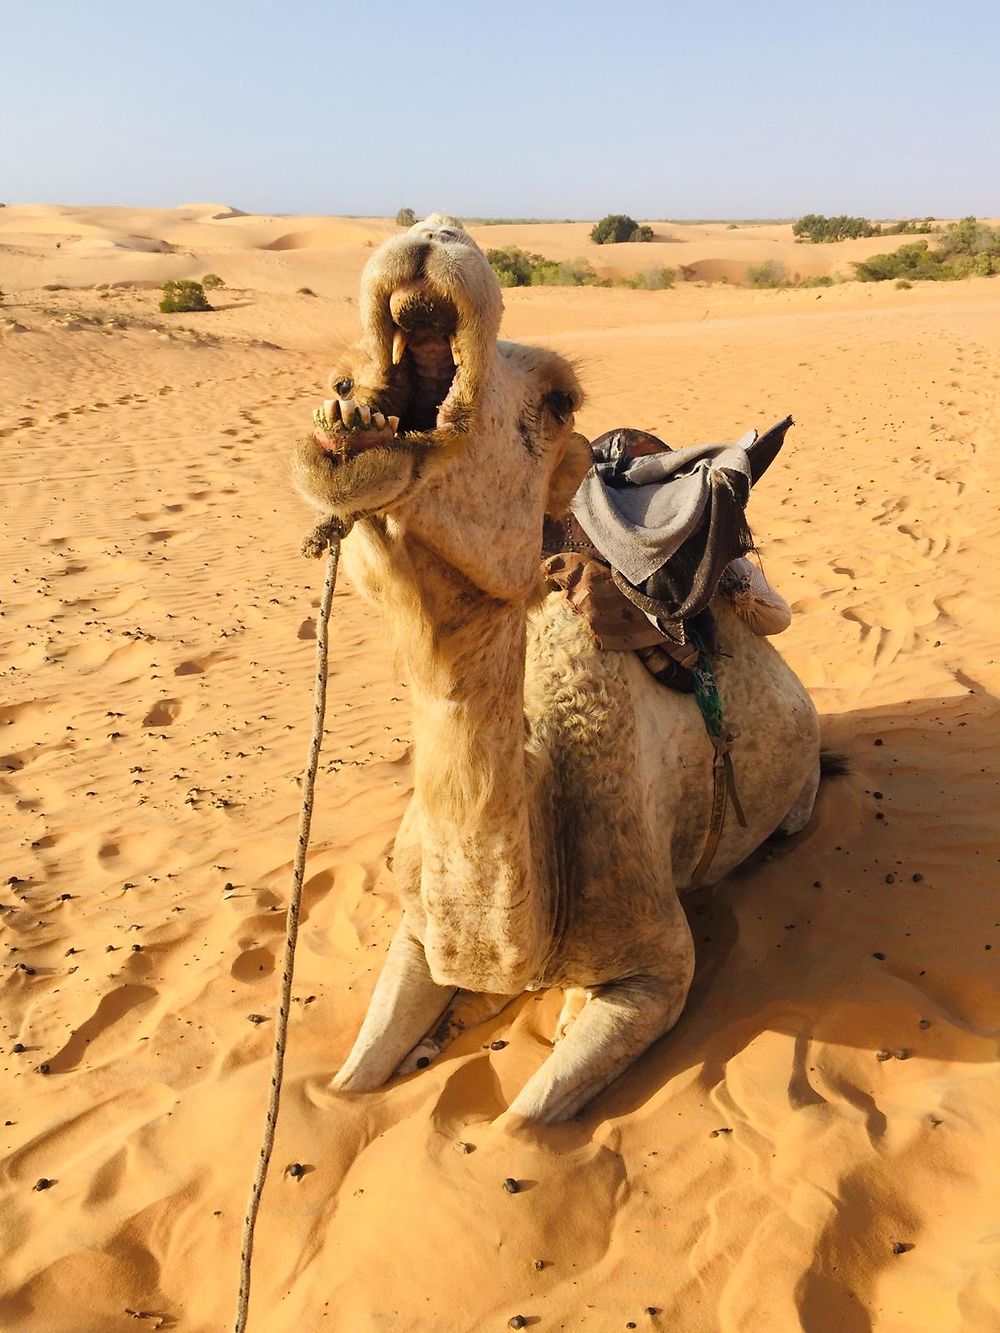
(569, 472)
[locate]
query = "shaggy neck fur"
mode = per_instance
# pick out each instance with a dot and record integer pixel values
(455, 592)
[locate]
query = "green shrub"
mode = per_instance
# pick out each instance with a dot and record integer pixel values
(816, 227)
(405, 217)
(817, 280)
(514, 267)
(771, 273)
(653, 280)
(182, 297)
(965, 249)
(618, 227)
(211, 281)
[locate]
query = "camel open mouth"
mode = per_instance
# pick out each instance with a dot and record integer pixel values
(425, 334)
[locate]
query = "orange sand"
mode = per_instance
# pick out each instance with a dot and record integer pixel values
(755, 1170)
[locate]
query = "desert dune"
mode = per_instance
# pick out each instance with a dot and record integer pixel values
(813, 1146)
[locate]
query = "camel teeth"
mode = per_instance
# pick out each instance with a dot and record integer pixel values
(393, 424)
(365, 413)
(378, 421)
(455, 355)
(347, 410)
(398, 346)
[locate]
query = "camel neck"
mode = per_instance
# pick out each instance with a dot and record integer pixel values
(484, 923)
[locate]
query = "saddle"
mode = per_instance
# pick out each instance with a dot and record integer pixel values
(664, 618)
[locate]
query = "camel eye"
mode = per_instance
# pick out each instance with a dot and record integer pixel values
(344, 386)
(560, 404)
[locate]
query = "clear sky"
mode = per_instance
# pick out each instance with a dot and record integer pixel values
(535, 108)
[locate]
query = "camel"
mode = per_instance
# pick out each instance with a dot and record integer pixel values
(561, 794)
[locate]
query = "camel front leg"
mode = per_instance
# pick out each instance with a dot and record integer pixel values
(467, 1009)
(405, 1004)
(613, 1029)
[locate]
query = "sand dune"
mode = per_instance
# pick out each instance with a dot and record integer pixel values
(813, 1147)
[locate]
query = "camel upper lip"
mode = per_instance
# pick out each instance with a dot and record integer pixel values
(425, 333)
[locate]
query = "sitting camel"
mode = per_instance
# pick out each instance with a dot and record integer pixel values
(561, 795)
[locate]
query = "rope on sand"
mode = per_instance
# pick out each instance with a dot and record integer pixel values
(327, 536)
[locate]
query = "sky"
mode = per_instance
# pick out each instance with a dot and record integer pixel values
(515, 108)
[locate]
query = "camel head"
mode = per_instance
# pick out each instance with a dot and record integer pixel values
(428, 379)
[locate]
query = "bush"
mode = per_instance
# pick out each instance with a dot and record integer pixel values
(183, 297)
(211, 281)
(903, 286)
(653, 280)
(817, 280)
(816, 227)
(405, 217)
(618, 227)
(769, 274)
(305, 291)
(514, 267)
(966, 249)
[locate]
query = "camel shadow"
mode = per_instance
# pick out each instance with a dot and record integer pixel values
(875, 928)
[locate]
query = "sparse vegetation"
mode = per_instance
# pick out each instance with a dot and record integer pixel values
(515, 267)
(618, 227)
(306, 291)
(183, 297)
(212, 281)
(903, 285)
(652, 280)
(772, 273)
(816, 227)
(405, 217)
(966, 249)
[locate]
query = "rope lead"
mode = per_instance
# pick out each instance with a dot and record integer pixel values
(326, 536)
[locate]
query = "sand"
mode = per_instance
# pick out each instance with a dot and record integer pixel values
(813, 1147)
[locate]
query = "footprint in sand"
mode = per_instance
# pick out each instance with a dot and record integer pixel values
(253, 964)
(111, 1010)
(163, 713)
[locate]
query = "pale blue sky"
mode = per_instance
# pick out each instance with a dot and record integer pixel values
(535, 108)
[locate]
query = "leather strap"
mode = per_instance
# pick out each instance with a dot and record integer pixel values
(723, 790)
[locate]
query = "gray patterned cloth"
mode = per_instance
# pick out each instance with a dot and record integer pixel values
(634, 519)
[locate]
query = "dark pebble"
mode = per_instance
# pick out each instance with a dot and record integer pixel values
(879, 956)
(43, 1183)
(890, 878)
(883, 1055)
(877, 795)
(18, 1047)
(511, 1185)
(65, 897)
(539, 1265)
(631, 1324)
(296, 1169)
(462, 1146)
(137, 948)
(652, 1309)
(901, 1246)
(228, 885)
(43, 1069)
(902, 1054)
(517, 1321)
(817, 883)
(918, 878)
(256, 1018)
(497, 1045)
(925, 1023)
(879, 741)
(879, 814)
